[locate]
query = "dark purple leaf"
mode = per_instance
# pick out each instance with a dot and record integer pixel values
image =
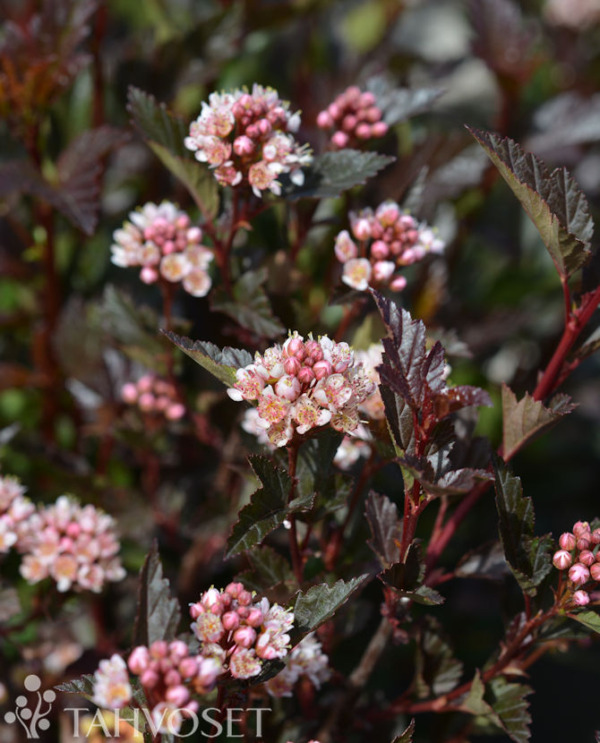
(386, 529)
(158, 613)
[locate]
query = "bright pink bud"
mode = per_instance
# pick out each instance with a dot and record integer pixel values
(253, 131)
(178, 649)
(583, 543)
(581, 598)
(230, 620)
(349, 122)
(177, 695)
(373, 114)
(148, 275)
(292, 366)
(579, 574)
(398, 284)
(169, 247)
(596, 536)
(363, 131)
(581, 529)
(311, 346)
(264, 126)
(149, 678)
(340, 139)
(146, 402)
(255, 617)
(188, 667)
(194, 235)
(159, 649)
(305, 375)
(380, 250)
(172, 677)
(245, 637)
(361, 229)
(196, 610)
(73, 530)
(567, 541)
(175, 411)
(322, 369)
(367, 99)
(352, 94)
(324, 120)
(139, 659)
(129, 393)
(244, 598)
(243, 146)
(587, 557)
(267, 652)
(243, 611)
(379, 129)
(233, 589)
(334, 111)
(383, 270)
(293, 346)
(595, 571)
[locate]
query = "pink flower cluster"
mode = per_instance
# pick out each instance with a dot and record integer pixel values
(306, 659)
(247, 138)
(579, 553)
(238, 632)
(162, 241)
(353, 117)
(112, 689)
(154, 396)
(74, 545)
(303, 385)
(387, 241)
(15, 511)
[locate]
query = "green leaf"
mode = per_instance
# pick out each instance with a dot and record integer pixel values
(250, 306)
(267, 509)
(407, 735)
(269, 567)
(83, 685)
(332, 173)
(165, 135)
(158, 613)
(437, 671)
(553, 201)
(386, 528)
(589, 619)
(222, 364)
(321, 602)
(475, 704)
(509, 704)
(317, 476)
(525, 419)
(529, 557)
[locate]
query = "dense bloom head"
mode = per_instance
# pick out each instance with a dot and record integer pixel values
(112, 689)
(154, 396)
(352, 119)
(306, 660)
(303, 385)
(15, 511)
(248, 139)
(74, 545)
(382, 242)
(579, 554)
(162, 241)
(238, 631)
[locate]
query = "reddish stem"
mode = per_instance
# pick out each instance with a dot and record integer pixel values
(294, 549)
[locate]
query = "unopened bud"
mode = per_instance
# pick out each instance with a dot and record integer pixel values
(177, 695)
(567, 541)
(380, 250)
(581, 598)
(340, 139)
(579, 574)
(582, 529)
(322, 369)
(587, 557)
(245, 637)
(139, 660)
(292, 366)
(305, 375)
(230, 620)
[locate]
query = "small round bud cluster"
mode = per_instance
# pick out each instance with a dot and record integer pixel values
(153, 396)
(74, 545)
(303, 385)
(579, 553)
(15, 511)
(353, 117)
(162, 241)
(308, 660)
(238, 632)
(247, 138)
(169, 675)
(112, 689)
(387, 241)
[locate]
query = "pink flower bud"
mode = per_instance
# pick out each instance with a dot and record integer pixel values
(581, 529)
(73, 530)
(373, 114)
(352, 94)
(383, 270)
(169, 247)
(253, 131)
(243, 611)
(293, 346)
(148, 275)
(288, 387)
(567, 541)
(349, 122)
(363, 131)
(595, 571)
(380, 250)
(367, 99)
(139, 659)
(322, 369)
(264, 126)
(196, 610)
(149, 678)
(245, 637)
(243, 146)
(340, 140)
(324, 120)
(172, 678)
(255, 617)
(178, 650)
(587, 557)
(596, 536)
(581, 598)
(146, 402)
(292, 366)
(230, 620)
(305, 375)
(234, 589)
(398, 284)
(194, 235)
(583, 544)
(159, 649)
(361, 229)
(379, 129)
(188, 667)
(175, 411)
(177, 695)
(334, 111)
(129, 393)
(579, 574)
(244, 598)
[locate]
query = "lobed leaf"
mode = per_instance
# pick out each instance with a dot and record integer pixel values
(250, 306)
(221, 363)
(386, 528)
(525, 419)
(332, 173)
(83, 685)
(269, 566)
(529, 557)
(553, 201)
(437, 671)
(165, 134)
(158, 613)
(589, 619)
(319, 603)
(509, 704)
(267, 508)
